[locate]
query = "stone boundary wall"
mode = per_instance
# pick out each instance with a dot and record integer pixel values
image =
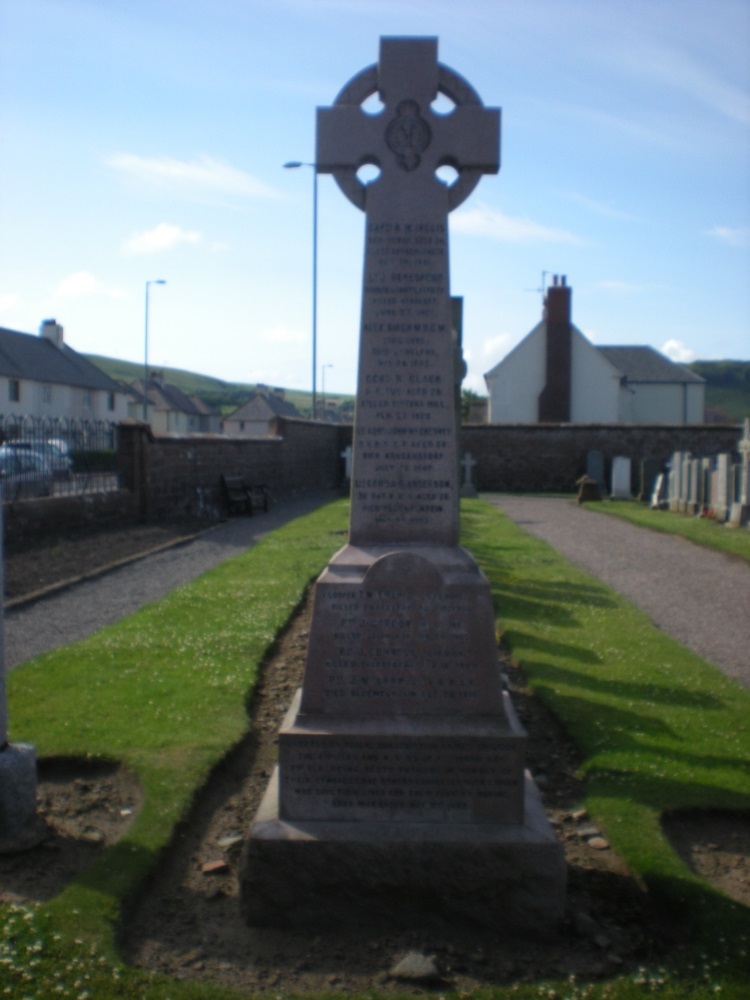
(179, 476)
(171, 476)
(551, 457)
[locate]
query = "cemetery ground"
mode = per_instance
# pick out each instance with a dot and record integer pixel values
(149, 774)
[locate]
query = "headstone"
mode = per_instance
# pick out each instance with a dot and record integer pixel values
(347, 455)
(588, 490)
(621, 478)
(595, 468)
(19, 828)
(692, 505)
(401, 761)
(649, 470)
(659, 492)
(468, 489)
(682, 505)
(740, 513)
(720, 496)
(675, 480)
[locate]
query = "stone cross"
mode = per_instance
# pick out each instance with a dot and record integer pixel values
(405, 461)
(468, 489)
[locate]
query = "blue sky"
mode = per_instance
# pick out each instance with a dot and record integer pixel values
(144, 139)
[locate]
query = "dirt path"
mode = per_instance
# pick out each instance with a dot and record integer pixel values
(699, 596)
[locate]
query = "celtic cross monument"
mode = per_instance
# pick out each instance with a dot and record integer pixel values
(401, 761)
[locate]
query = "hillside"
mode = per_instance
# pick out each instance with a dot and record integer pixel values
(222, 396)
(727, 389)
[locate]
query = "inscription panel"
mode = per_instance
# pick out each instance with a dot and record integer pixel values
(455, 780)
(404, 479)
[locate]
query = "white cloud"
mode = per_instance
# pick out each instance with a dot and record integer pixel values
(83, 284)
(496, 346)
(623, 287)
(486, 221)
(675, 350)
(9, 300)
(161, 237)
(733, 237)
(598, 207)
(202, 175)
(283, 335)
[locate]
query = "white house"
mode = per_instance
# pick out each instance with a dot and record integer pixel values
(40, 376)
(256, 416)
(555, 375)
(169, 410)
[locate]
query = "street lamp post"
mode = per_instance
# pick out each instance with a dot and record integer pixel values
(293, 165)
(155, 281)
(323, 385)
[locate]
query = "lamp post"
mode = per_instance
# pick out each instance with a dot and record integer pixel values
(293, 165)
(155, 281)
(323, 384)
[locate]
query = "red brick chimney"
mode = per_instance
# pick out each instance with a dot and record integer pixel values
(554, 399)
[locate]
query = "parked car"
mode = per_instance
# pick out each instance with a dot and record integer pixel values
(57, 453)
(24, 473)
(54, 452)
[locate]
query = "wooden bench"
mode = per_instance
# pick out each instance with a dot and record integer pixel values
(242, 497)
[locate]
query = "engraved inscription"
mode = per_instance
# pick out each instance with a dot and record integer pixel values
(426, 779)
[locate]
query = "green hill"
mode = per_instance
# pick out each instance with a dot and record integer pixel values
(727, 389)
(222, 396)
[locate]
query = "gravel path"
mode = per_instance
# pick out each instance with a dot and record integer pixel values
(699, 596)
(77, 611)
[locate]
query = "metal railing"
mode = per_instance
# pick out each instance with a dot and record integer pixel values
(50, 456)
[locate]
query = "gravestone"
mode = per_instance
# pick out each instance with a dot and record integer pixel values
(401, 778)
(468, 489)
(19, 828)
(649, 470)
(658, 493)
(675, 480)
(740, 513)
(621, 478)
(684, 483)
(692, 505)
(595, 468)
(720, 495)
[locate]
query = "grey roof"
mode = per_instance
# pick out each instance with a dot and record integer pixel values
(27, 356)
(261, 407)
(644, 364)
(164, 396)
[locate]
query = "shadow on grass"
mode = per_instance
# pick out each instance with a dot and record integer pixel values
(654, 694)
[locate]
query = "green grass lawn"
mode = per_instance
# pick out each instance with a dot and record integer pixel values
(701, 530)
(165, 692)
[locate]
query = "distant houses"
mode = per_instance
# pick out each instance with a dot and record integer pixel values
(42, 377)
(169, 410)
(555, 375)
(256, 416)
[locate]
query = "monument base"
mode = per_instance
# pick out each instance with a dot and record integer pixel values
(19, 827)
(319, 873)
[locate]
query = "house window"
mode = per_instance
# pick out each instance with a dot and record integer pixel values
(14, 390)
(242, 425)
(46, 393)
(111, 402)
(86, 399)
